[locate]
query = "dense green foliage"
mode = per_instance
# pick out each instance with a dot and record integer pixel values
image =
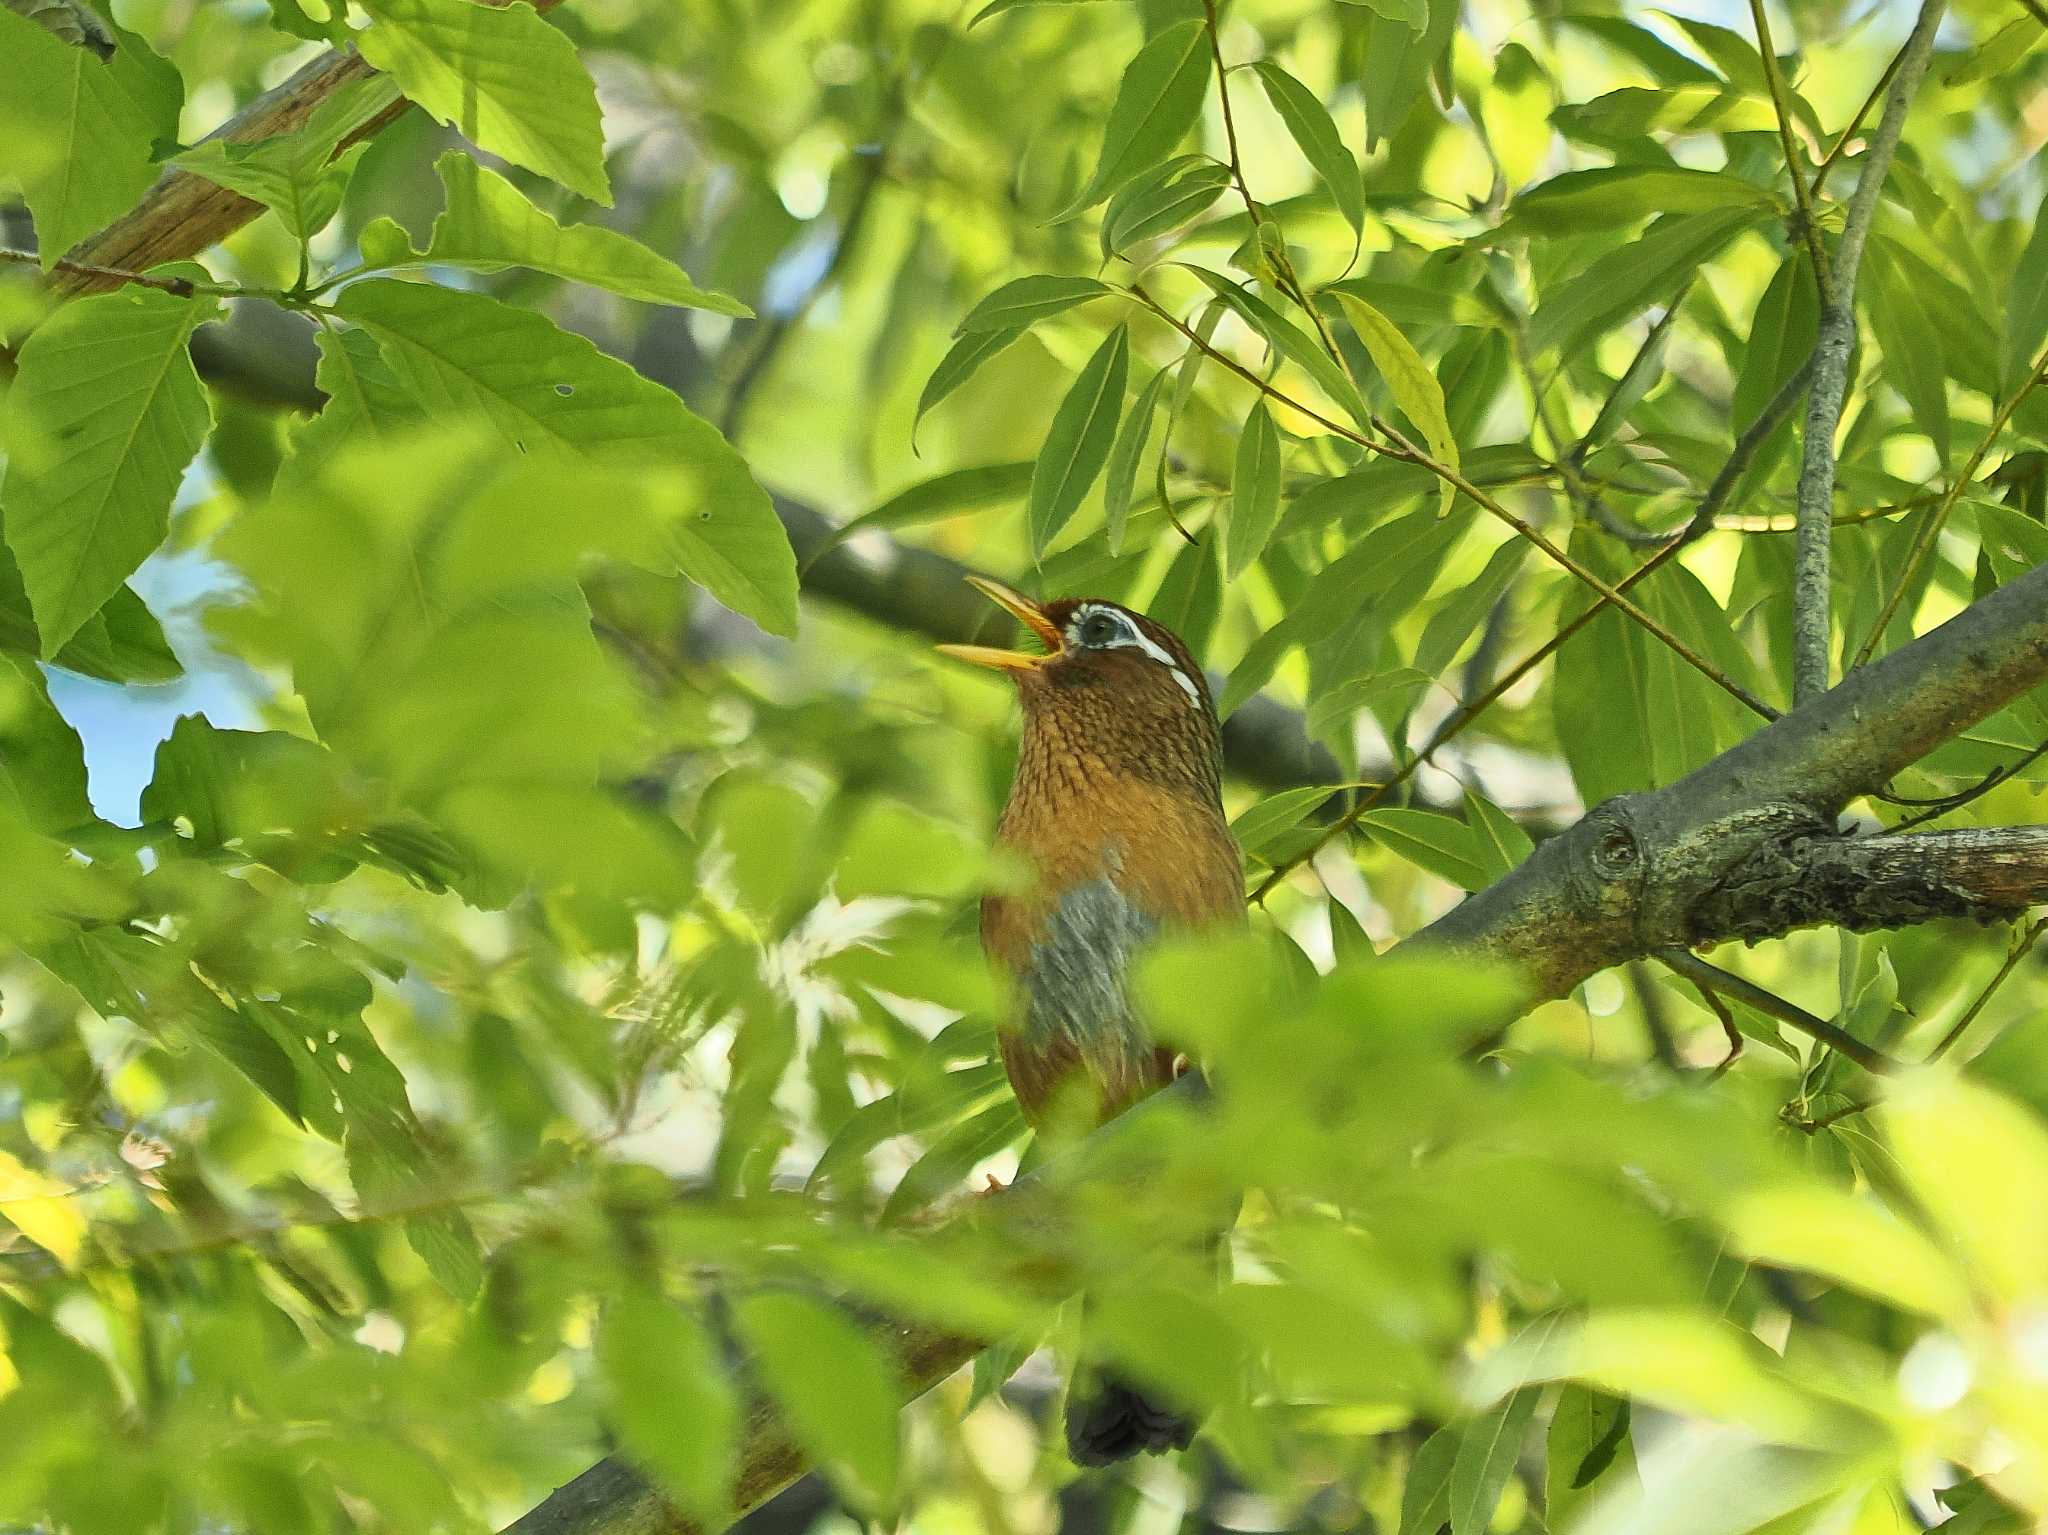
(524, 989)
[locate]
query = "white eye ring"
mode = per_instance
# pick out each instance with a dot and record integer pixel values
(1101, 629)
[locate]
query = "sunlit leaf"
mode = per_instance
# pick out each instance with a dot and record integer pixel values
(1161, 200)
(1077, 444)
(1122, 471)
(80, 130)
(487, 225)
(1254, 491)
(469, 358)
(1020, 304)
(500, 76)
(662, 1370)
(837, 1386)
(1157, 102)
(1308, 120)
(1414, 385)
(1488, 1447)
(105, 413)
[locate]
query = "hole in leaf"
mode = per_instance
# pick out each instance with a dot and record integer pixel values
(565, 389)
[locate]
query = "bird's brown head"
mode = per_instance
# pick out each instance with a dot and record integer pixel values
(1110, 684)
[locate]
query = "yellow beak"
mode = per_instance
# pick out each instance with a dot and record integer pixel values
(1027, 612)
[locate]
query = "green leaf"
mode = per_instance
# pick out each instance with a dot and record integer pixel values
(954, 1155)
(1415, 388)
(1161, 199)
(1018, 305)
(998, 7)
(962, 359)
(1442, 844)
(365, 401)
(893, 850)
(1254, 491)
(1316, 136)
(1426, 1496)
(1259, 826)
(105, 413)
(1502, 843)
(2026, 305)
(943, 495)
(501, 77)
(1390, 694)
(1977, 1163)
(122, 642)
(1410, 13)
(1464, 610)
(79, 131)
(670, 1400)
(1399, 57)
(487, 225)
(1157, 102)
(1586, 1452)
(1998, 53)
(1190, 595)
(296, 175)
(1620, 196)
(1641, 272)
(468, 357)
(42, 763)
(1078, 443)
(1122, 473)
(1912, 327)
(839, 1391)
(1487, 1450)
(291, 16)
(1622, 119)
(1781, 338)
(1630, 713)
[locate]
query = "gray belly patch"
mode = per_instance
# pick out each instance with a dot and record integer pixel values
(1075, 987)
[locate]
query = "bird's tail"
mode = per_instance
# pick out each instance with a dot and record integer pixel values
(1115, 1421)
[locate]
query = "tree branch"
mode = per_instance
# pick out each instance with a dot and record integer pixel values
(184, 214)
(1812, 572)
(1640, 872)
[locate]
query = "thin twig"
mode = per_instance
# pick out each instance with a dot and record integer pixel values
(1809, 226)
(182, 287)
(1812, 574)
(1930, 529)
(1951, 802)
(1290, 281)
(1729, 1030)
(2014, 955)
(1771, 1005)
(1834, 154)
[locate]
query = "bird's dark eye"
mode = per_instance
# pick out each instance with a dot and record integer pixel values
(1099, 629)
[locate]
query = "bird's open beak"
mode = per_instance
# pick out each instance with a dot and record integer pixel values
(1029, 613)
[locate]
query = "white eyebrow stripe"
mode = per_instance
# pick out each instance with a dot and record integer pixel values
(1159, 653)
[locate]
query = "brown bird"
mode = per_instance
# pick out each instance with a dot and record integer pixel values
(1117, 810)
